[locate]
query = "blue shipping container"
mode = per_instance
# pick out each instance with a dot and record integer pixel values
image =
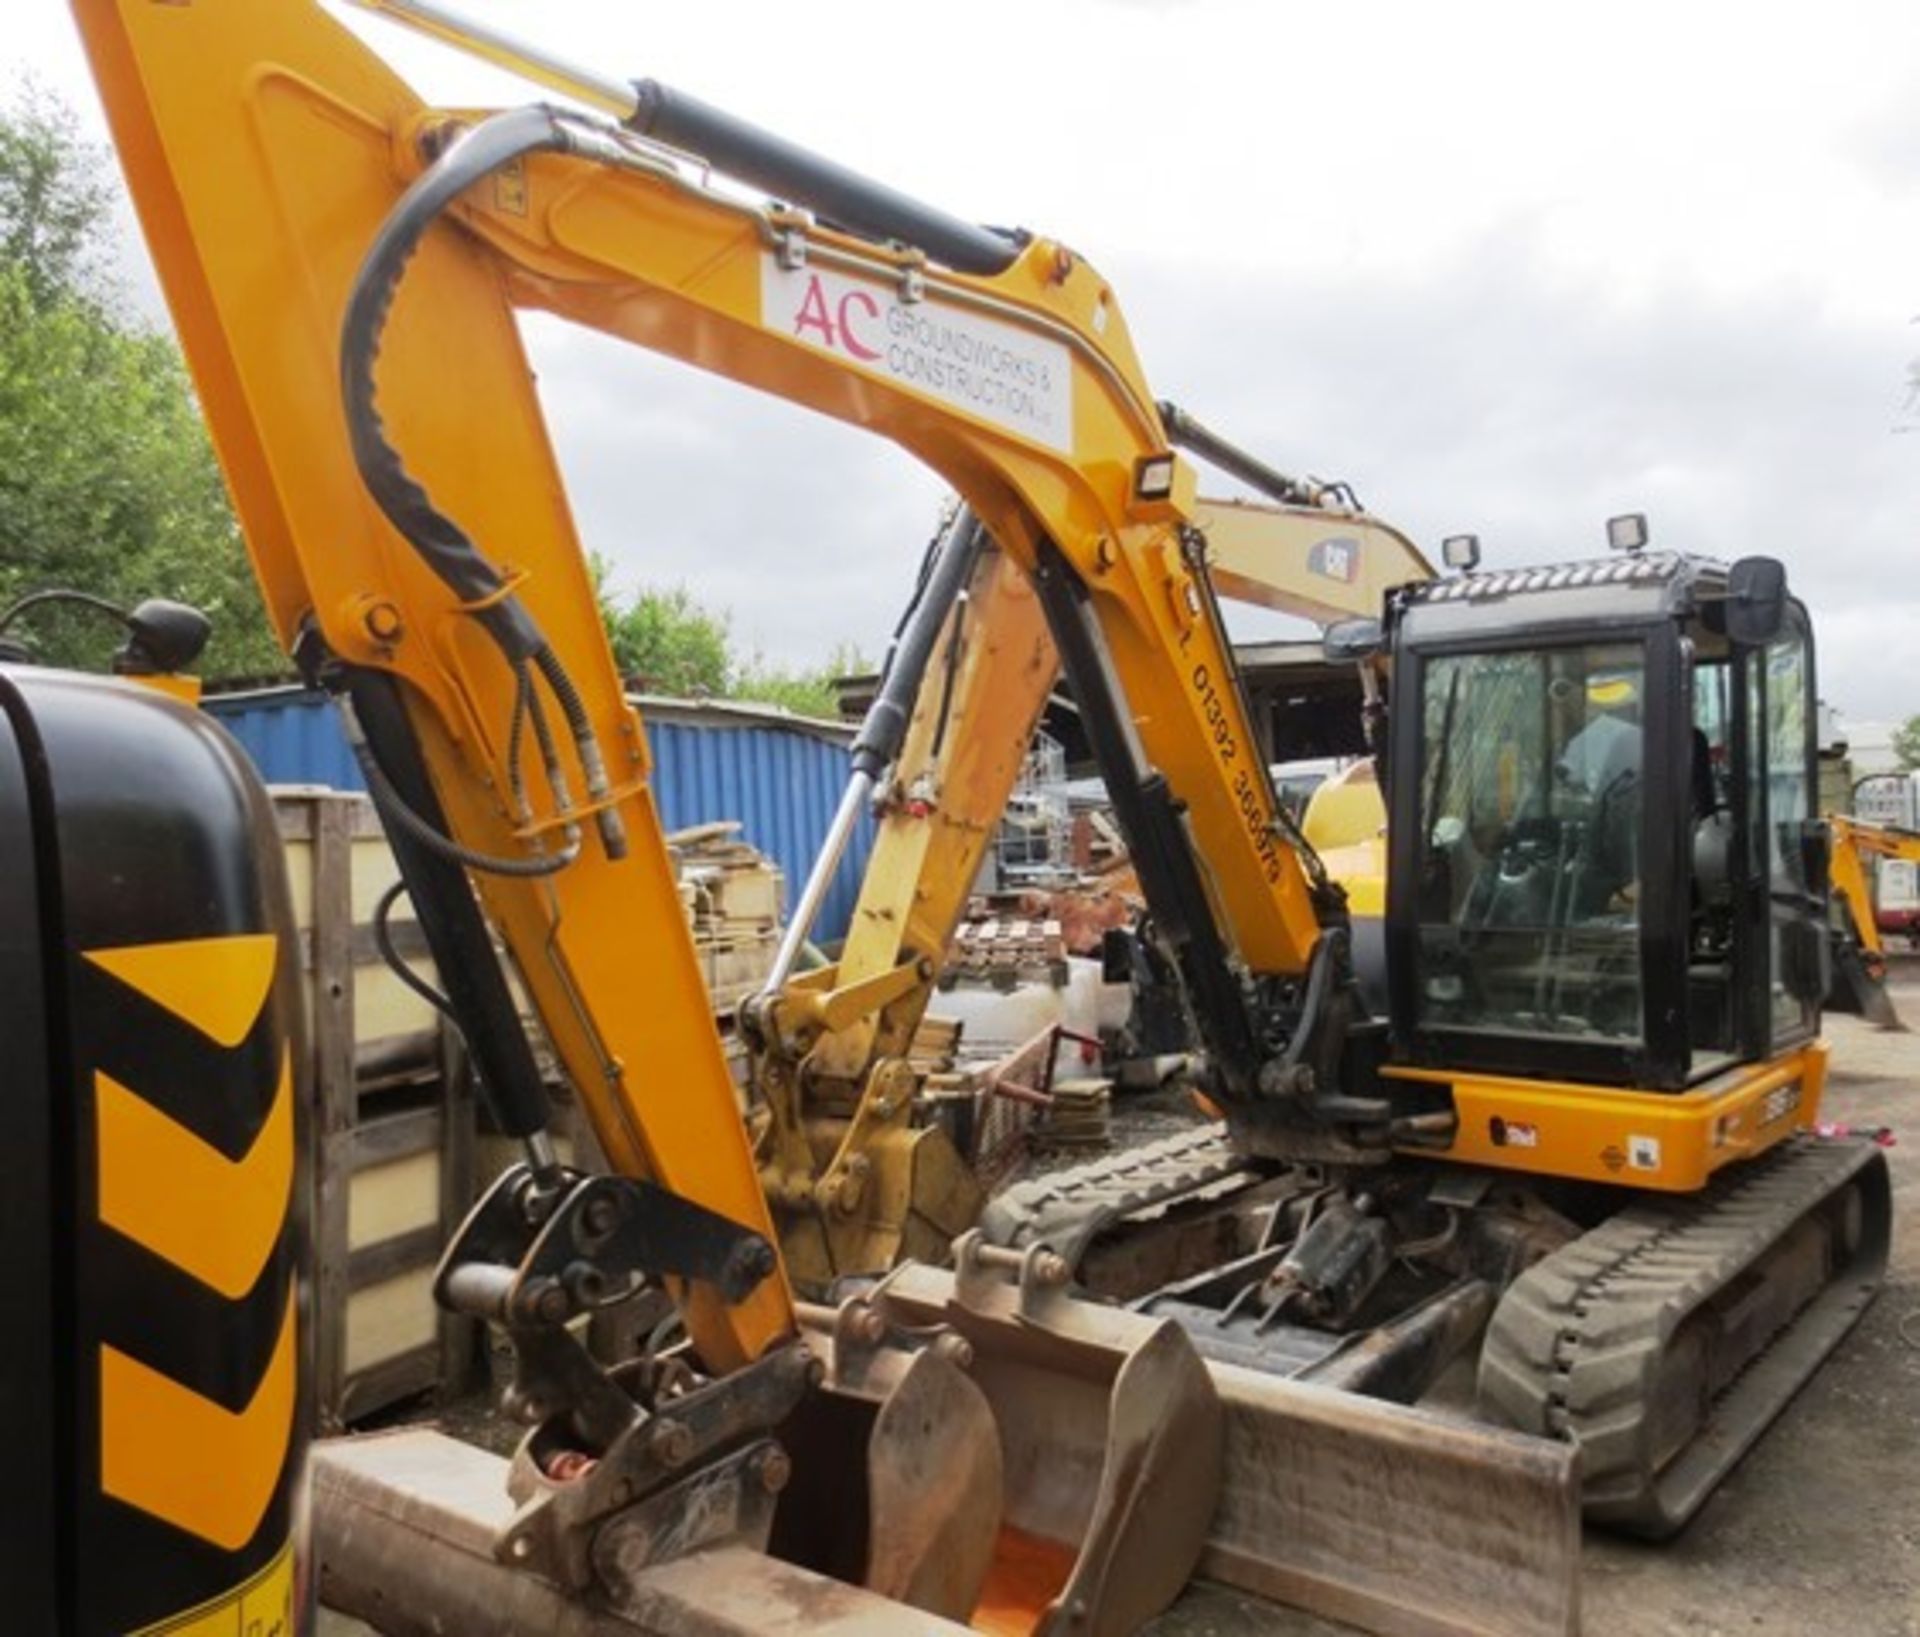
(709, 763)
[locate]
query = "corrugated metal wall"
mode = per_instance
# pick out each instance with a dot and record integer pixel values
(781, 784)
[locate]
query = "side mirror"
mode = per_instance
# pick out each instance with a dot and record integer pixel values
(1351, 642)
(1756, 600)
(163, 637)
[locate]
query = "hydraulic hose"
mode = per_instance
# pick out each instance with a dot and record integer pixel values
(878, 741)
(880, 736)
(441, 542)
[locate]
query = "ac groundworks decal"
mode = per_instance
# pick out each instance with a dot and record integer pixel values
(981, 365)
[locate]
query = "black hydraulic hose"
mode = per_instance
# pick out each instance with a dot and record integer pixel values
(441, 542)
(878, 741)
(1182, 429)
(445, 546)
(790, 172)
(957, 549)
(924, 573)
(394, 810)
(449, 913)
(390, 953)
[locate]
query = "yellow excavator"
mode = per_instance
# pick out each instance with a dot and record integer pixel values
(1859, 951)
(856, 1184)
(975, 1444)
(344, 265)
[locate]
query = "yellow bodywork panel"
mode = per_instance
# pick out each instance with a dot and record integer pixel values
(1319, 562)
(171, 1452)
(1664, 1141)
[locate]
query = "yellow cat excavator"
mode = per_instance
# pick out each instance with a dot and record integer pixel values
(344, 265)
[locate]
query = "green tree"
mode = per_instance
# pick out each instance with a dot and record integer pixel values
(665, 641)
(54, 198)
(1906, 742)
(107, 479)
(807, 690)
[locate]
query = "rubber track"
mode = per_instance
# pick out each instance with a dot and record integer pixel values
(1575, 1346)
(1067, 1210)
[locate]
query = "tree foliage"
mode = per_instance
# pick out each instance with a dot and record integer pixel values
(1906, 742)
(107, 480)
(667, 641)
(806, 690)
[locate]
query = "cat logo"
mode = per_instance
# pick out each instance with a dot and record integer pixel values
(166, 1448)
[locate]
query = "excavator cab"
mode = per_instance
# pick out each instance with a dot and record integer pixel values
(1604, 840)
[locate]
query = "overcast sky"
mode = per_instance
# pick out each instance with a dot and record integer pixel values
(1505, 268)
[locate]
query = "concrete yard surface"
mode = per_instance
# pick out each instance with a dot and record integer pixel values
(1818, 1529)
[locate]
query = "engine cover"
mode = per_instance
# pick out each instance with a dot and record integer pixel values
(152, 1254)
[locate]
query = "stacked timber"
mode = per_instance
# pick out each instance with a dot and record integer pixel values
(732, 895)
(1006, 950)
(936, 1045)
(1077, 1116)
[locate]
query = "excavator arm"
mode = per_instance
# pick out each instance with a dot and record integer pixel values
(855, 1184)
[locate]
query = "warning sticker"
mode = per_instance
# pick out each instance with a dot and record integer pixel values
(1780, 1102)
(1514, 1133)
(1643, 1153)
(1335, 558)
(263, 1607)
(995, 370)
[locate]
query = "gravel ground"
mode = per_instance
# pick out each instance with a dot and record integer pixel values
(1818, 1530)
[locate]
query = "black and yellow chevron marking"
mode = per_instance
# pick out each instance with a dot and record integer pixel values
(174, 1448)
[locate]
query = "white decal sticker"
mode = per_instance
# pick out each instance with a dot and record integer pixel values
(1643, 1153)
(989, 368)
(1780, 1102)
(1335, 558)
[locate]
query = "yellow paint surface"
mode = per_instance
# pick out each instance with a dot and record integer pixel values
(263, 1607)
(217, 1219)
(182, 1457)
(216, 984)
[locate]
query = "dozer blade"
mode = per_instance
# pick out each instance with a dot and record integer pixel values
(1665, 1340)
(404, 1526)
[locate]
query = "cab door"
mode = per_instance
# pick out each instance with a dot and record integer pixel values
(1787, 854)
